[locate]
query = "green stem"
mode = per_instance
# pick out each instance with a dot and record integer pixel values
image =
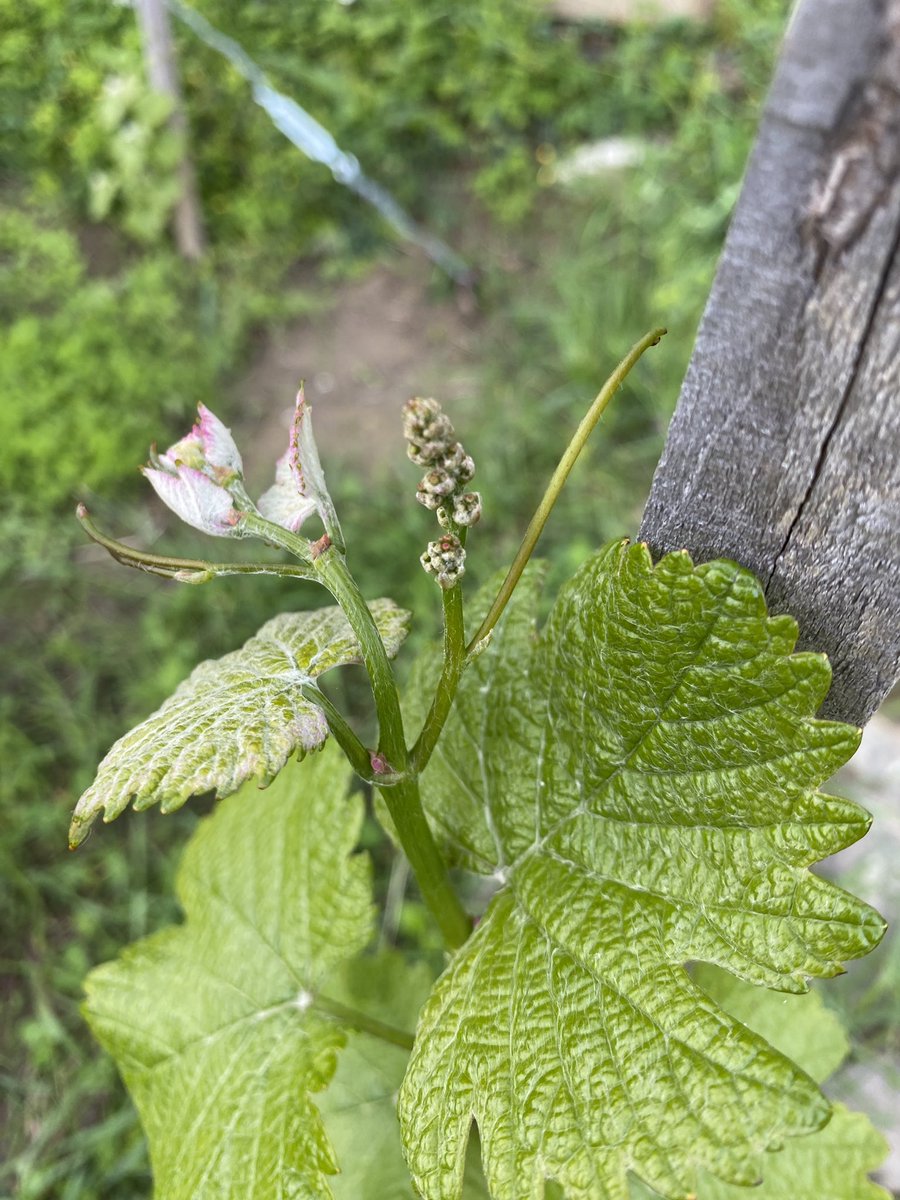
(355, 751)
(454, 661)
(332, 571)
(555, 486)
(403, 799)
(185, 570)
(364, 1023)
(277, 535)
(404, 803)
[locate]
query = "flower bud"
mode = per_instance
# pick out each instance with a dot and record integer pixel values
(445, 559)
(429, 499)
(465, 470)
(427, 430)
(467, 508)
(417, 412)
(435, 485)
(433, 443)
(454, 458)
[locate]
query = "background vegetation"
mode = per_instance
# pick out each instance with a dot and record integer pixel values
(108, 341)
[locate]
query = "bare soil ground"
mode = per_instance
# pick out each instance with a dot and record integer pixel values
(384, 338)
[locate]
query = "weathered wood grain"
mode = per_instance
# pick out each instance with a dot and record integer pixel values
(784, 452)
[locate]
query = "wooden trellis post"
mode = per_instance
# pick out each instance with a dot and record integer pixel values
(784, 452)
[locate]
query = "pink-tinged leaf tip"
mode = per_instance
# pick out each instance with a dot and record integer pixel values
(295, 455)
(209, 447)
(306, 468)
(219, 446)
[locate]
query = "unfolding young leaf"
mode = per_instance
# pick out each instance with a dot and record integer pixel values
(216, 1024)
(640, 782)
(831, 1164)
(233, 718)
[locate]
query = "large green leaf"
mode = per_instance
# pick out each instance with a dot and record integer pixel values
(360, 1106)
(798, 1025)
(233, 718)
(218, 1025)
(640, 781)
(831, 1164)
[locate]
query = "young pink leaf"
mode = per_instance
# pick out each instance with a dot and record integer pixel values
(195, 498)
(306, 468)
(283, 503)
(209, 448)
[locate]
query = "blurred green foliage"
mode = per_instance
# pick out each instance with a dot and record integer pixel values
(108, 341)
(100, 362)
(412, 87)
(141, 152)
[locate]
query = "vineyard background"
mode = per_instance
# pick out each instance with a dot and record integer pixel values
(584, 169)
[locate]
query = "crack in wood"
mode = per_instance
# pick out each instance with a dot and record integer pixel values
(865, 159)
(879, 297)
(865, 162)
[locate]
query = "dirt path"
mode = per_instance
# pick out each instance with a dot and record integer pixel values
(384, 339)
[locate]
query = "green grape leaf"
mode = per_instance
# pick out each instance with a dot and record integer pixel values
(217, 1025)
(640, 782)
(233, 718)
(831, 1164)
(360, 1106)
(799, 1025)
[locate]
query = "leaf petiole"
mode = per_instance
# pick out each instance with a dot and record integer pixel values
(363, 1023)
(277, 535)
(357, 754)
(556, 484)
(403, 799)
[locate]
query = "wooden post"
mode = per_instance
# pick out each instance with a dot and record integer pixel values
(784, 452)
(156, 33)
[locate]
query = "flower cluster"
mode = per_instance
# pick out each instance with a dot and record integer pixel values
(431, 443)
(445, 559)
